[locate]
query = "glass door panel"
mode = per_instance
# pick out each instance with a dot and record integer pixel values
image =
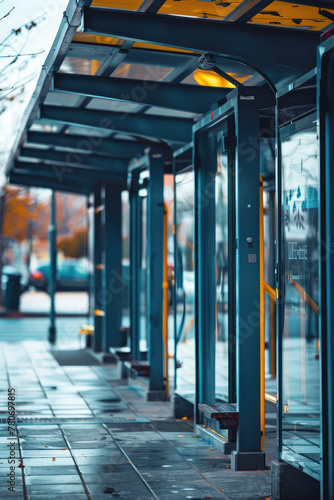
(185, 285)
(300, 336)
(222, 229)
(143, 302)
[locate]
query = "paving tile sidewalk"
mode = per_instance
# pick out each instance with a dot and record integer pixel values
(122, 448)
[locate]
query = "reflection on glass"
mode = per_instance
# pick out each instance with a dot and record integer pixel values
(221, 274)
(72, 262)
(185, 285)
(300, 203)
(169, 207)
(25, 245)
(143, 345)
(125, 259)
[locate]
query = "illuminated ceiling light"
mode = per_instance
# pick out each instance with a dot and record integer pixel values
(211, 75)
(210, 78)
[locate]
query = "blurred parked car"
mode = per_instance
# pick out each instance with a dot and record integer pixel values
(71, 276)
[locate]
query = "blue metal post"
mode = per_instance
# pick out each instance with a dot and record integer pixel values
(98, 270)
(325, 76)
(134, 267)
(53, 268)
(112, 285)
(205, 265)
(248, 270)
(155, 223)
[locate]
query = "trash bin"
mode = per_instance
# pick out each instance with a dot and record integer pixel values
(13, 290)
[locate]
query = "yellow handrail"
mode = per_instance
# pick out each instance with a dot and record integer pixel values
(165, 298)
(262, 321)
(270, 291)
(304, 296)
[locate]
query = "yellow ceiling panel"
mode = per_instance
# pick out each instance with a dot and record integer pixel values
(151, 46)
(118, 4)
(209, 78)
(292, 15)
(217, 9)
(103, 40)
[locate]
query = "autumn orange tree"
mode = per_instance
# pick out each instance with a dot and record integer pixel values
(74, 246)
(20, 217)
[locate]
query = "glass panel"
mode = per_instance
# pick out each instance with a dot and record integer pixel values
(185, 285)
(221, 272)
(300, 372)
(169, 206)
(196, 8)
(125, 260)
(72, 278)
(141, 72)
(25, 247)
(290, 15)
(143, 343)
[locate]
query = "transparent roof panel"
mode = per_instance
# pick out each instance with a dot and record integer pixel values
(74, 130)
(112, 105)
(198, 8)
(46, 126)
(142, 71)
(61, 99)
(79, 66)
(27, 31)
(118, 4)
(293, 16)
(170, 112)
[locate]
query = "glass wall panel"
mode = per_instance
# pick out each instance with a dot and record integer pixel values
(125, 260)
(72, 276)
(169, 206)
(300, 335)
(185, 284)
(222, 356)
(143, 342)
(25, 214)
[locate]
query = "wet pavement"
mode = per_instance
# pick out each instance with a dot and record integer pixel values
(83, 433)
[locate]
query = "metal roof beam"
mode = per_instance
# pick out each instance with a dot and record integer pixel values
(138, 55)
(192, 98)
(25, 179)
(259, 45)
(246, 10)
(89, 144)
(64, 173)
(151, 6)
(320, 4)
(161, 127)
(77, 159)
(28, 179)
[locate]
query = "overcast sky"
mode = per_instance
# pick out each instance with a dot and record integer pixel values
(27, 28)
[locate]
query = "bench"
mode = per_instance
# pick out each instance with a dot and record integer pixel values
(123, 353)
(225, 413)
(138, 368)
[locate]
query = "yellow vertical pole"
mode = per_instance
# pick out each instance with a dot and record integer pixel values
(165, 298)
(262, 320)
(273, 336)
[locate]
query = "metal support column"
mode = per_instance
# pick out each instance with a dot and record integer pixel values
(112, 273)
(53, 268)
(134, 266)
(248, 451)
(155, 223)
(205, 270)
(98, 271)
(326, 121)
